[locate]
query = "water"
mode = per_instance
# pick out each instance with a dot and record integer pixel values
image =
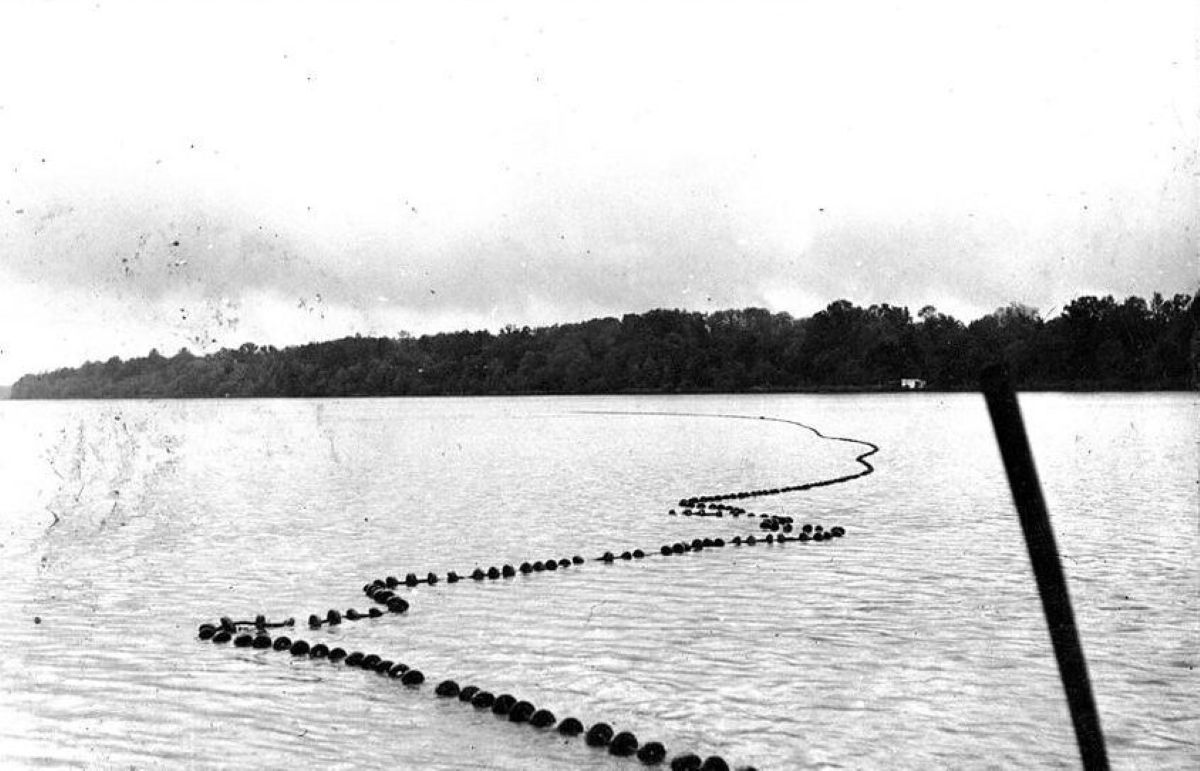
(915, 641)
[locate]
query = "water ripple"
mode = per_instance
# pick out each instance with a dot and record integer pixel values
(916, 641)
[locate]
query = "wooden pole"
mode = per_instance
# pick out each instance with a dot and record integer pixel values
(1047, 567)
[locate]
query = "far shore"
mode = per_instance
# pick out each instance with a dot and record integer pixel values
(1070, 388)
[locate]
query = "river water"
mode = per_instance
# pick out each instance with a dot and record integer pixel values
(915, 641)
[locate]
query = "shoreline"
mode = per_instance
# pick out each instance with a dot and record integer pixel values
(826, 391)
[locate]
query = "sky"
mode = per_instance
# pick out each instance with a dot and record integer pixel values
(202, 175)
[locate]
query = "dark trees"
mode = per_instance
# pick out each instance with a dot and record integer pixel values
(1094, 343)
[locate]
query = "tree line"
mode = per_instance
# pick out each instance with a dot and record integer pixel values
(1095, 343)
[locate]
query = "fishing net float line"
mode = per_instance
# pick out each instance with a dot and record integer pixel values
(773, 530)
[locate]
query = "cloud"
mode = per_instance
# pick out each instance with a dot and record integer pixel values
(600, 244)
(968, 264)
(127, 248)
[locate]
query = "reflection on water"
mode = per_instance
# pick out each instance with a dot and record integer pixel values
(914, 641)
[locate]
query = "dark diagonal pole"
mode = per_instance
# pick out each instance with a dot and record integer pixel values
(1047, 568)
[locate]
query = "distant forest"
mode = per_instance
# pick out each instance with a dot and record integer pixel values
(1095, 343)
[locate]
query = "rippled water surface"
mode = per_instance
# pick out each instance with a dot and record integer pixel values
(915, 641)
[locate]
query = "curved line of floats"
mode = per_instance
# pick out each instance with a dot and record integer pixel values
(384, 592)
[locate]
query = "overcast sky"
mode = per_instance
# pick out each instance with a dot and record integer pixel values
(202, 175)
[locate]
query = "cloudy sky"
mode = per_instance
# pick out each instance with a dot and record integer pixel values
(205, 174)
